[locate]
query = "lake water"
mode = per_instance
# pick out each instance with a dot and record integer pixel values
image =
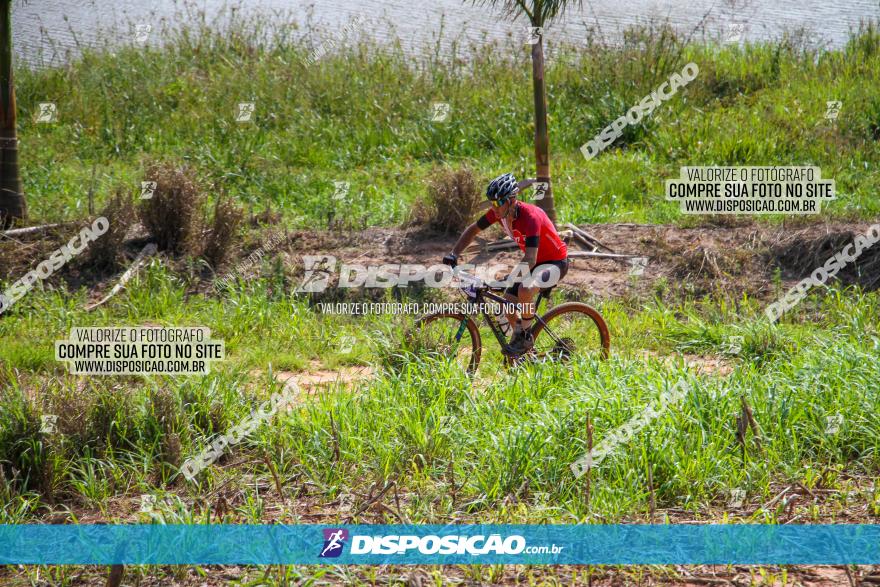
(49, 31)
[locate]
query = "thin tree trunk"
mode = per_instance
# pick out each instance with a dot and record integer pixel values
(542, 140)
(12, 202)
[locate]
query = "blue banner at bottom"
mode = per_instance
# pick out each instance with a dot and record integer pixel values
(437, 544)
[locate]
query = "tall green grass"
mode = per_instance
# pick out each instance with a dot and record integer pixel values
(506, 437)
(362, 114)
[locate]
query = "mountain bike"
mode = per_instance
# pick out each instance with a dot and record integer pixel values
(567, 331)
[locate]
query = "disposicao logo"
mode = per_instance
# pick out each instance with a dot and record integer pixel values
(449, 544)
(334, 540)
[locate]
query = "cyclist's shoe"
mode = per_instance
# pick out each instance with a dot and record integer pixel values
(451, 260)
(522, 342)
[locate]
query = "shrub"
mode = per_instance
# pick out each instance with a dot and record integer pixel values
(221, 236)
(452, 202)
(121, 214)
(172, 214)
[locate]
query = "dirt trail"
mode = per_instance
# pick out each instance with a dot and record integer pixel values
(317, 379)
(701, 364)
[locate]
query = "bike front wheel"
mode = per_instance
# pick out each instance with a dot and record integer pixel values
(571, 330)
(448, 337)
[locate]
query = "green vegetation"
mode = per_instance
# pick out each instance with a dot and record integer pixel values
(505, 442)
(495, 449)
(362, 114)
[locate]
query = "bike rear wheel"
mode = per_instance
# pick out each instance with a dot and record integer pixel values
(450, 337)
(571, 330)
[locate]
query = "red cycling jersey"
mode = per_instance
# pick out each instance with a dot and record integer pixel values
(526, 222)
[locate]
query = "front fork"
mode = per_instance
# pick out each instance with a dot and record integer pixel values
(461, 328)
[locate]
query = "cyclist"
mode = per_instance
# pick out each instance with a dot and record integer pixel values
(544, 251)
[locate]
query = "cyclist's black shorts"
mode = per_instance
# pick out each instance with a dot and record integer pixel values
(542, 273)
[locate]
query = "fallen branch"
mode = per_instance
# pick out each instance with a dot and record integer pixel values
(589, 237)
(479, 245)
(753, 424)
(483, 246)
(335, 436)
(27, 230)
(272, 470)
(590, 246)
(502, 244)
(372, 500)
(147, 251)
(806, 489)
(745, 421)
(852, 580)
(708, 581)
(394, 513)
(602, 255)
(772, 502)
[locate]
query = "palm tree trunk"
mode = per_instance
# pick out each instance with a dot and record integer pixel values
(12, 202)
(542, 140)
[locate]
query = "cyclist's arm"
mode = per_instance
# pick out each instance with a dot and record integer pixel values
(532, 232)
(531, 256)
(469, 233)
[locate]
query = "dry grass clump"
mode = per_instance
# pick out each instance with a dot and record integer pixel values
(267, 217)
(103, 253)
(173, 214)
(221, 236)
(452, 201)
(704, 262)
(703, 270)
(7, 254)
(24, 253)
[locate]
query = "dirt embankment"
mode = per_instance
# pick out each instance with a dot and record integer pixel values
(737, 259)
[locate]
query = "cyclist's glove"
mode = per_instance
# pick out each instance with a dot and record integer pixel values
(450, 260)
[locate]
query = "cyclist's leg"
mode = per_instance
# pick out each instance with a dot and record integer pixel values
(511, 294)
(545, 275)
(515, 294)
(524, 294)
(525, 299)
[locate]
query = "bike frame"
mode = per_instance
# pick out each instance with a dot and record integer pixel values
(482, 294)
(477, 292)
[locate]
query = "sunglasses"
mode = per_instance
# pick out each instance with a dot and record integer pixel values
(499, 203)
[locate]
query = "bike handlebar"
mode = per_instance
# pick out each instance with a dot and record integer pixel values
(474, 283)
